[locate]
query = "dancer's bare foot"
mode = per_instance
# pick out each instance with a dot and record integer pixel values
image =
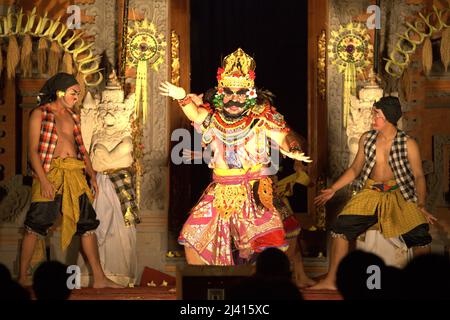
(304, 281)
(106, 283)
(23, 281)
(325, 284)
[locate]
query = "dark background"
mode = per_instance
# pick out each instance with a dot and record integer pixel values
(274, 33)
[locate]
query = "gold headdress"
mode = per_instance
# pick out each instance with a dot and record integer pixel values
(238, 71)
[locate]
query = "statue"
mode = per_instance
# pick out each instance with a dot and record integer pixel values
(111, 153)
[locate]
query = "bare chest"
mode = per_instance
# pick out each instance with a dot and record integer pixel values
(383, 150)
(64, 124)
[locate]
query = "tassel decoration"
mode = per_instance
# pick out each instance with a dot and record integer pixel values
(25, 57)
(445, 48)
(13, 57)
(42, 55)
(67, 63)
(427, 56)
(53, 59)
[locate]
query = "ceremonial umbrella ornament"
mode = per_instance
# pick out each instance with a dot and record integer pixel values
(144, 48)
(351, 51)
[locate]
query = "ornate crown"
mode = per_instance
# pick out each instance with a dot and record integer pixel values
(238, 71)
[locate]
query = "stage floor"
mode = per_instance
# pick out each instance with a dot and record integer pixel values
(168, 293)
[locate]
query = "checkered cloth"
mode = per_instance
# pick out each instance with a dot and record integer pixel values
(123, 183)
(398, 161)
(49, 137)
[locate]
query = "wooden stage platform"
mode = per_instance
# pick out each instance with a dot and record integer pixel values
(168, 293)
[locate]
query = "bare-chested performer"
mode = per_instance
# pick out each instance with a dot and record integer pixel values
(391, 190)
(58, 158)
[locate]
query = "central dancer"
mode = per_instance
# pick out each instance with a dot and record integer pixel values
(238, 122)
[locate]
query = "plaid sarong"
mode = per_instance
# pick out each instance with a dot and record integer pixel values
(123, 183)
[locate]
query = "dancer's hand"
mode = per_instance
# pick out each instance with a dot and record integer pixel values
(170, 90)
(296, 155)
(47, 189)
(324, 196)
(430, 218)
(94, 186)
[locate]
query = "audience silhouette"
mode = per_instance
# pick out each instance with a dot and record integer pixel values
(360, 275)
(10, 289)
(364, 275)
(50, 281)
(271, 281)
(427, 277)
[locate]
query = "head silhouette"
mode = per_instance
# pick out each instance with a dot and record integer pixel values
(272, 280)
(427, 276)
(10, 289)
(354, 275)
(273, 262)
(50, 281)
(5, 275)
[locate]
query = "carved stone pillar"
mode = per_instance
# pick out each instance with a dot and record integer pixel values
(360, 116)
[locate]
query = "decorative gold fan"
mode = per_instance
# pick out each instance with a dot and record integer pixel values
(144, 47)
(351, 51)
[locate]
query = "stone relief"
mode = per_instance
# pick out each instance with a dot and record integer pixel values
(15, 199)
(104, 28)
(360, 117)
(340, 12)
(154, 161)
(435, 181)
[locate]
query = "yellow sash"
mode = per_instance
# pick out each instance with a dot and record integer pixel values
(68, 178)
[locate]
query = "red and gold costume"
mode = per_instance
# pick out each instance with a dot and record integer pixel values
(236, 211)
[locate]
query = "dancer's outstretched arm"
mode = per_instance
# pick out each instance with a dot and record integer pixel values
(284, 140)
(188, 102)
(349, 175)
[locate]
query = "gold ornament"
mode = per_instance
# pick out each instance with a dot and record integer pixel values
(399, 58)
(144, 47)
(350, 50)
(60, 94)
(238, 71)
(87, 64)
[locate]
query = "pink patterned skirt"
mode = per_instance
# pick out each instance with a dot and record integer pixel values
(228, 216)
